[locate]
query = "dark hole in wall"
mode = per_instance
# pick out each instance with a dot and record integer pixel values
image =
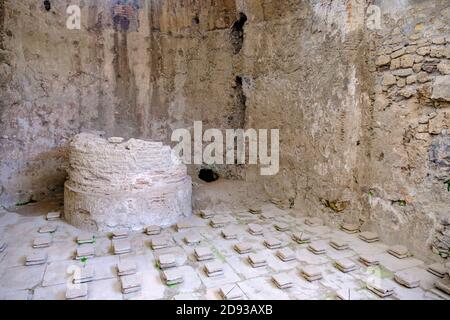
(47, 5)
(237, 119)
(238, 81)
(208, 175)
(237, 33)
(196, 20)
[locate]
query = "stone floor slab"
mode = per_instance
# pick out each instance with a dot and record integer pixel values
(50, 293)
(109, 289)
(14, 295)
(21, 278)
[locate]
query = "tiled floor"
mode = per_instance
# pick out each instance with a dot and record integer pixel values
(50, 281)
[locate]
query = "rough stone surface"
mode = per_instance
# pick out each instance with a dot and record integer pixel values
(307, 67)
(132, 184)
(441, 88)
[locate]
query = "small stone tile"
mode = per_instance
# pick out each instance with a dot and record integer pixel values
(224, 248)
(50, 280)
(50, 228)
(52, 216)
(122, 246)
(85, 251)
(437, 269)
(172, 277)
(364, 248)
(426, 278)
(16, 255)
(282, 281)
(229, 276)
(188, 297)
(77, 292)
(103, 246)
(126, 267)
(403, 293)
(43, 241)
(61, 250)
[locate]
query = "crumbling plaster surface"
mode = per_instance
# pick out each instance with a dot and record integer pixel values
(350, 146)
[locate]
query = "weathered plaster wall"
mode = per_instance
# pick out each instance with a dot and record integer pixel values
(170, 67)
(57, 82)
(304, 66)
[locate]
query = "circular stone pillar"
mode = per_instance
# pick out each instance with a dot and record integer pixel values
(114, 184)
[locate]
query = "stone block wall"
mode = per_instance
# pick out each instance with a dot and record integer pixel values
(406, 188)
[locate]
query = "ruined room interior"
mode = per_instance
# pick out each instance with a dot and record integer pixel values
(96, 204)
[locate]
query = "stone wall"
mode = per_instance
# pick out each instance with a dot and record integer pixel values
(305, 73)
(406, 186)
(362, 112)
